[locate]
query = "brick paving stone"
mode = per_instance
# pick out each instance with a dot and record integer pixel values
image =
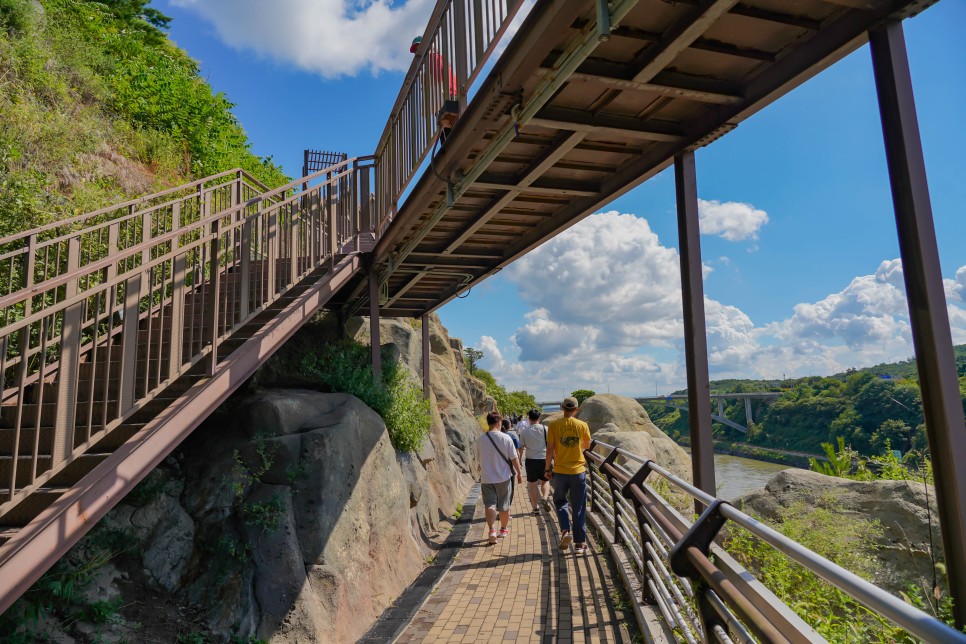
(523, 589)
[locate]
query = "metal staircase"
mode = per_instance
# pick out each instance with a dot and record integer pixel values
(124, 328)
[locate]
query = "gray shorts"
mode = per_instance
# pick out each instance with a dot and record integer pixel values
(497, 495)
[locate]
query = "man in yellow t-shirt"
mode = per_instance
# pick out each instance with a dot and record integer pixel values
(567, 438)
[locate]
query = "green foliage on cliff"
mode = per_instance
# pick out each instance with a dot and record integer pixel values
(345, 366)
(507, 402)
(582, 394)
(97, 106)
(868, 409)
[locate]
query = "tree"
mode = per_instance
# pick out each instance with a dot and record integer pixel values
(473, 356)
(893, 434)
(581, 395)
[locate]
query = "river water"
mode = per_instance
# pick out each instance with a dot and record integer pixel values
(736, 475)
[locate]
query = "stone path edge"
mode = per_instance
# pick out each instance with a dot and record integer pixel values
(396, 618)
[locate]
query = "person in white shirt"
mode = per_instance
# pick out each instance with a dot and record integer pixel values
(533, 440)
(498, 464)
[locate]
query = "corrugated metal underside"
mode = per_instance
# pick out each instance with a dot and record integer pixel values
(672, 76)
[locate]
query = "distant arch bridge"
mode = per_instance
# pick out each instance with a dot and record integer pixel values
(679, 401)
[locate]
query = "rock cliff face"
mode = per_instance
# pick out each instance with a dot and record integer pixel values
(288, 516)
(899, 506)
(622, 422)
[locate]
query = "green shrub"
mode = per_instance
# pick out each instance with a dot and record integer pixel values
(846, 542)
(397, 399)
(16, 16)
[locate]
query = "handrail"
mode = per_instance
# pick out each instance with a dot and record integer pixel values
(69, 221)
(140, 301)
(641, 521)
(460, 37)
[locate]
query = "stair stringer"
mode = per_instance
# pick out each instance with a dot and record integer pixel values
(38, 545)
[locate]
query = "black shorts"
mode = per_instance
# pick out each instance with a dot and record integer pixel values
(536, 469)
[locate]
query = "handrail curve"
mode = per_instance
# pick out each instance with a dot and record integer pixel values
(729, 602)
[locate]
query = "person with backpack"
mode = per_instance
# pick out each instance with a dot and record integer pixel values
(533, 438)
(498, 465)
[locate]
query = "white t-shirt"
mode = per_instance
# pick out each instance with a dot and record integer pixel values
(493, 465)
(523, 424)
(534, 440)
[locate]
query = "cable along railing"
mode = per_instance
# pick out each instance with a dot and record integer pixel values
(702, 593)
(460, 37)
(102, 312)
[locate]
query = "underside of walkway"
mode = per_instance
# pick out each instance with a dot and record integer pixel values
(524, 589)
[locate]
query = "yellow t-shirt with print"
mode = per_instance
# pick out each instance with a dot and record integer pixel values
(567, 435)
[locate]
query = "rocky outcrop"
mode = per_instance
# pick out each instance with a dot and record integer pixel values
(288, 516)
(622, 422)
(903, 550)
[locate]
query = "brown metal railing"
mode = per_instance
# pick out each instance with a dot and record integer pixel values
(102, 312)
(702, 593)
(460, 37)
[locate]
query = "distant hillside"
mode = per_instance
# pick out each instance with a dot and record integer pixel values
(98, 106)
(873, 409)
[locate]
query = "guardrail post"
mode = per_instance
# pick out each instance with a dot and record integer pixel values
(293, 242)
(374, 341)
(214, 295)
(129, 342)
(942, 405)
(28, 271)
(355, 213)
(424, 319)
(245, 249)
(67, 372)
(178, 271)
(700, 535)
(333, 223)
(272, 243)
(460, 43)
(695, 335)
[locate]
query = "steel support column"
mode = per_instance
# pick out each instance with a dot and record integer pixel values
(928, 316)
(695, 337)
(374, 341)
(426, 365)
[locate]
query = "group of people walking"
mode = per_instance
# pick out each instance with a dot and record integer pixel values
(552, 457)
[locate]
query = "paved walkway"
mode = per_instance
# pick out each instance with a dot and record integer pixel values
(522, 590)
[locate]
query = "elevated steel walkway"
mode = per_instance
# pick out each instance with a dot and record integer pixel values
(124, 328)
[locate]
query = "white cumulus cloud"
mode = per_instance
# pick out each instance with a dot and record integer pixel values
(731, 220)
(606, 313)
(330, 37)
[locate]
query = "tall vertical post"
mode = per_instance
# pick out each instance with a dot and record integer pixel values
(426, 365)
(375, 342)
(695, 337)
(928, 316)
(748, 417)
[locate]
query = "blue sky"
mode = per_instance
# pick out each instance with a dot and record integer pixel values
(813, 161)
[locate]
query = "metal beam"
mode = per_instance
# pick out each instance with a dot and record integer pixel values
(557, 149)
(402, 291)
(552, 188)
(695, 334)
(749, 11)
(679, 37)
(928, 316)
(375, 344)
(576, 53)
(426, 363)
(564, 118)
(673, 91)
